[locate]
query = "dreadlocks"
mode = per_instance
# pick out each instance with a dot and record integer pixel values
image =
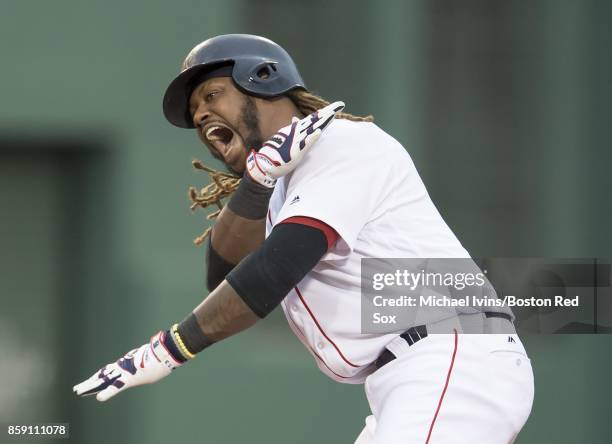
(308, 103)
(224, 184)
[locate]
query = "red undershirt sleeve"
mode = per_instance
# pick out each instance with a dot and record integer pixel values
(330, 234)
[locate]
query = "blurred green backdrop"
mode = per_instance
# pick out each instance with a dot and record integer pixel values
(504, 106)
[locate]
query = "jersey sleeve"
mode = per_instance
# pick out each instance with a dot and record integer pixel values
(331, 236)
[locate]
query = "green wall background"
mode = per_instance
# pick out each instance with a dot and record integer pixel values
(502, 104)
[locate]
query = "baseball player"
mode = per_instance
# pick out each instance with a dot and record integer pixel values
(321, 190)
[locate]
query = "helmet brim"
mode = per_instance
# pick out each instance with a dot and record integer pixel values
(176, 98)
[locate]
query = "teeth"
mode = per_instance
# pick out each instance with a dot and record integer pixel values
(210, 130)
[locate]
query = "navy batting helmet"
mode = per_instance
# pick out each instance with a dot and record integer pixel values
(259, 67)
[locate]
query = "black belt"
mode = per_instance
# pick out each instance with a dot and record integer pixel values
(415, 334)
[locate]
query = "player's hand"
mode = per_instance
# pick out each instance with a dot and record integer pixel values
(145, 365)
(283, 151)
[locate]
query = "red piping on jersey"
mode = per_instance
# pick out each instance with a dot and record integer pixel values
(311, 349)
(330, 234)
(450, 369)
(327, 366)
(322, 332)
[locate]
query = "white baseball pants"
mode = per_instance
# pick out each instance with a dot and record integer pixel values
(450, 388)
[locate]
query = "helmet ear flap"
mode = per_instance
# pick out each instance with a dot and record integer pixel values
(261, 77)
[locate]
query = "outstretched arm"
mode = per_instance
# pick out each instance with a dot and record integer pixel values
(250, 292)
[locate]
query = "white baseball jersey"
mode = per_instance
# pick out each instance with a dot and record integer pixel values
(362, 183)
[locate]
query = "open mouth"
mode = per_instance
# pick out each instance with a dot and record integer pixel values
(220, 137)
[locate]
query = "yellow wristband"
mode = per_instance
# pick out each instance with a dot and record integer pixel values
(181, 345)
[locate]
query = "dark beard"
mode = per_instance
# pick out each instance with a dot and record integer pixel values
(250, 119)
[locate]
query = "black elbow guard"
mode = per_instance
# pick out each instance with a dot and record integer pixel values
(218, 267)
(264, 278)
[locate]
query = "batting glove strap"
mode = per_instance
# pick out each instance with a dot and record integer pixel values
(174, 346)
(255, 165)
